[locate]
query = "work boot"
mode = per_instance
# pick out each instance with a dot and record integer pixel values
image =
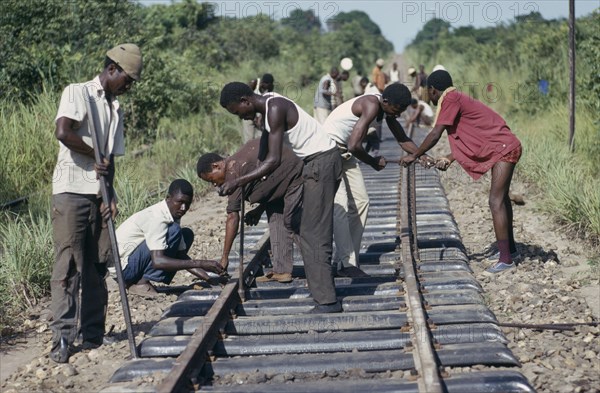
(326, 308)
(96, 342)
(283, 278)
(351, 271)
(60, 351)
(145, 290)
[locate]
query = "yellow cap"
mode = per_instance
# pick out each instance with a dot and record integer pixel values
(129, 58)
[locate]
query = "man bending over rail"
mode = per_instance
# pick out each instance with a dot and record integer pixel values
(279, 193)
(479, 140)
(348, 125)
(285, 121)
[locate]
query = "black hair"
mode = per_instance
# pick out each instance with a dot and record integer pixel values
(181, 186)
(108, 61)
(440, 80)
(205, 162)
(413, 101)
(397, 94)
(233, 92)
(345, 72)
(364, 79)
(267, 78)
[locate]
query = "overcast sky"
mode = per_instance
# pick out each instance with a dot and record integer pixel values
(400, 21)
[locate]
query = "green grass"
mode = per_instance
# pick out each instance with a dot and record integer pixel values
(28, 149)
(569, 180)
(27, 257)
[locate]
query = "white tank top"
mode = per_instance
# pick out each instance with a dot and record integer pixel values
(307, 137)
(427, 111)
(340, 123)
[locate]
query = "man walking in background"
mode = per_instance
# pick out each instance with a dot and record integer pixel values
(338, 97)
(323, 95)
(394, 73)
(377, 76)
(250, 128)
(81, 242)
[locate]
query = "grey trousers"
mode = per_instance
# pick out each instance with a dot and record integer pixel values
(82, 248)
(322, 173)
(284, 220)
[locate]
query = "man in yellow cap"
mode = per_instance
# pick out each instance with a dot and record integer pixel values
(81, 242)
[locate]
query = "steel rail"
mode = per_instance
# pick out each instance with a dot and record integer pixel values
(424, 356)
(190, 362)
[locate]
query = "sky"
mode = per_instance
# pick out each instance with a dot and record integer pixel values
(400, 21)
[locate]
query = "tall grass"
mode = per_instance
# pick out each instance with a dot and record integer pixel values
(569, 180)
(28, 149)
(26, 259)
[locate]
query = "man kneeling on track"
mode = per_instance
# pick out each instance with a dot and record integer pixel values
(153, 246)
(279, 193)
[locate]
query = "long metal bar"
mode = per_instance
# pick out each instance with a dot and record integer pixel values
(572, 75)
(548, 326)
(93, 121)
(241, 286)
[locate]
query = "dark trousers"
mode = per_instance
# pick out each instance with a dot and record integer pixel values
(82, 248)
(139, 263)
(322, 174)
(284, 217)
(374, 140)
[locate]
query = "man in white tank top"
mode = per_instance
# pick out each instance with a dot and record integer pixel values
(284, 121)
(347, 125)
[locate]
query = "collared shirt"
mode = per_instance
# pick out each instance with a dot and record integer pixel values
(74, 172)
(269, 189)
(476, 133)
(151, 225)
(324, 100)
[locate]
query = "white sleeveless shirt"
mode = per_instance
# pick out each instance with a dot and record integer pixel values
(340, 123)
(307, 137)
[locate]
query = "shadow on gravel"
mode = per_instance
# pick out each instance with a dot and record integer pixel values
(526, 251)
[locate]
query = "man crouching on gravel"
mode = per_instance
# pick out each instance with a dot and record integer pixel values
(153, 246)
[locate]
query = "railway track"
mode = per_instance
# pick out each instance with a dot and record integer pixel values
(418, 323)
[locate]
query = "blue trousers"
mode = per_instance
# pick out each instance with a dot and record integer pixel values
(139, 263)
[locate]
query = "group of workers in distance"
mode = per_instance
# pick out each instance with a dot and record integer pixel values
(303, 174)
